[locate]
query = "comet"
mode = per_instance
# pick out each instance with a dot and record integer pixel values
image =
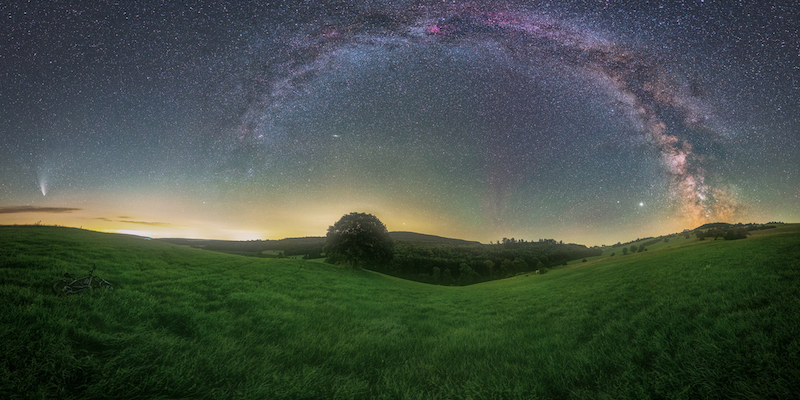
(42, 178)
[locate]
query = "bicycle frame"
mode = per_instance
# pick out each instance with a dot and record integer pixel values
(77, 285)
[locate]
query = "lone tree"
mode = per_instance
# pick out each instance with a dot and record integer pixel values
(359, 240)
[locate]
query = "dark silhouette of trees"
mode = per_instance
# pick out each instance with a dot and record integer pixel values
(437, 274)
(735, 233)
(489, 264)
(468, 263)
(715, 232)
(359, 240)
(729, 231)
(447, 277)
(467, 275)
(700, 235)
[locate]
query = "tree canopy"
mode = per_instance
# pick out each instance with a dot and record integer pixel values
(359, 240)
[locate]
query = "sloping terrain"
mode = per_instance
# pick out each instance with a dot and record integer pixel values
(710, 319)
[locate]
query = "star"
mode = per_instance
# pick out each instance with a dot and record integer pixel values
(475, 120)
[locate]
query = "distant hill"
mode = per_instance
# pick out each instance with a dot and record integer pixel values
(290, 246)
(310, 241)
(311, 245)
(420, 238)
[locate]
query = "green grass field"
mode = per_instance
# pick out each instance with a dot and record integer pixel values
(697, 319)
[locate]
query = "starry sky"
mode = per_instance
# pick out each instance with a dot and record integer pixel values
(590, 122)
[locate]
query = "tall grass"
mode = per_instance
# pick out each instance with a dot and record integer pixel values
(699, 320)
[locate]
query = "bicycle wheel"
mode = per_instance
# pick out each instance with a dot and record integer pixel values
(102, 284)
(62, 288)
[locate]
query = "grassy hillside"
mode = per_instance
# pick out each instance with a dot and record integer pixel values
(710, 319)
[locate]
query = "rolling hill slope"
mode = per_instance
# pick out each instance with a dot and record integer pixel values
(712, 319)
(311, 245)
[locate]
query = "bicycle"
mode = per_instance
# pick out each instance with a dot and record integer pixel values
(77, 285)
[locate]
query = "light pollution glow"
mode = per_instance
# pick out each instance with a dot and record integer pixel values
(158, 216)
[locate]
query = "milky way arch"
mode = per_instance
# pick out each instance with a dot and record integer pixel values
(654, 103)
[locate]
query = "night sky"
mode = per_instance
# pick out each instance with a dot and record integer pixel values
(588, 122)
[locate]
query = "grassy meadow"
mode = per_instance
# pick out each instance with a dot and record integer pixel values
(686, 319)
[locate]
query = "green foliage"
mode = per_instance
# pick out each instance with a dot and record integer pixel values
(712, 320)
(715, 233)
(735, 233)
(359, 240)
(417, 261)
(437, 275)
(729, 232)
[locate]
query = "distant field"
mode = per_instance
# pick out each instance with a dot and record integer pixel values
(685, 320)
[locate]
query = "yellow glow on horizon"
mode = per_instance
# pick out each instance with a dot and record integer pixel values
(152, 217)
(158, 215)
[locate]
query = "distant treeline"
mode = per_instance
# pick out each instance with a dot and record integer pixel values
(728, 231)
(466, 264)
(727, 226)
(716, 229)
